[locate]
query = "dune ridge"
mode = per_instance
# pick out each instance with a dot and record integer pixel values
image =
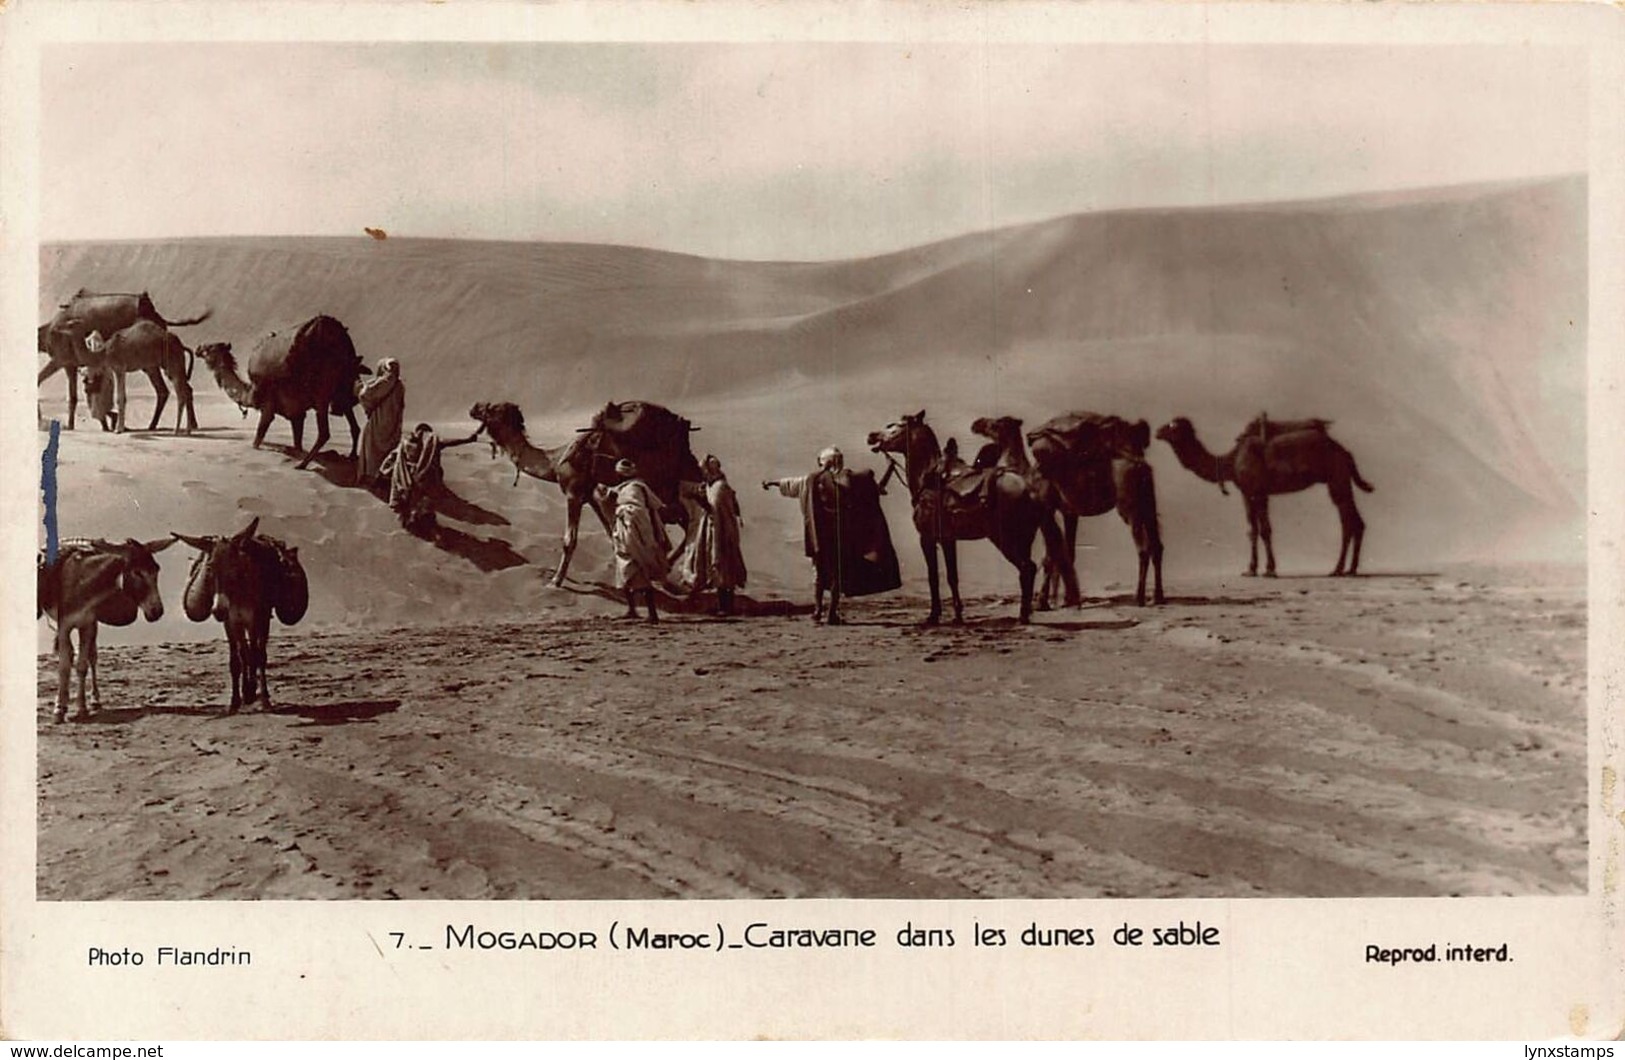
(1443, 331)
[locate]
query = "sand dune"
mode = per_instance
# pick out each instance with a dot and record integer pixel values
(1442, 331)
(1416, 732)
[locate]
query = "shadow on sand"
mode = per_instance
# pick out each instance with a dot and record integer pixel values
(125, 715)
(346, 713)
(486, 553)
(703, 603)
(207, 434)
(1362, 576)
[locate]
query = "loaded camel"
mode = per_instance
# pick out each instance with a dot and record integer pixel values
(1272, 457)
(62, 338)
(652, 436)
(90, 584)
(146, 347)
(311, 368)
(953, 502)
(1085, 464)
(242, 580)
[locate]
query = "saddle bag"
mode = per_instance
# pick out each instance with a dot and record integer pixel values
(291, 598)
(198, 599)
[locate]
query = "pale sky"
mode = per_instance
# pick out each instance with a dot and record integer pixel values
(788, 151)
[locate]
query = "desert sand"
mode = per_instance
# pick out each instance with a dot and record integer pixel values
(444, 725)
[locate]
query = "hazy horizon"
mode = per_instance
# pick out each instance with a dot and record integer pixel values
(767, 152)
(1377, 198)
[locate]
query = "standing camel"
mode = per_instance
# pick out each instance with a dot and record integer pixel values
(1085, 464)
(655, 438)
(150, 348)
(1272, 457)
(62, 338)
(312, 368)
(89, 584)
(968, 505)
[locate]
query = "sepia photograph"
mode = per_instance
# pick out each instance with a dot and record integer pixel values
(587, 468)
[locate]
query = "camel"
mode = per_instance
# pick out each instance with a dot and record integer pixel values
(62, 338)
(313, 367)
(1269, 459)
(654, 437)
(90, 584)
(969, 505)
(242, 580)
(1085, 464)
(153, 349)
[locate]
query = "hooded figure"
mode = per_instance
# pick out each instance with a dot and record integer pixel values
(711, 557)
(844, 532)
(383, 398)
(641, 545)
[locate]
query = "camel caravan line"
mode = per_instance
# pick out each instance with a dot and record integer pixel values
(1020, 486)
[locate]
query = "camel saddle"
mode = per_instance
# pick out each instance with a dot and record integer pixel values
(962, 485)
(1262, 428)
(1091, 434)
(639, 420)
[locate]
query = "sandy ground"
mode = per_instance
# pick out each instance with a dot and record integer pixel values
(1392, 735)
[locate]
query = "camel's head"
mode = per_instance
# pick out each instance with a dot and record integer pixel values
(1176, 431)
(502, 420)
(996, 428)
(217, 355)
(893, 438)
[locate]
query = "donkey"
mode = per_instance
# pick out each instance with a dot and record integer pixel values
(241, 580)
(89, 584)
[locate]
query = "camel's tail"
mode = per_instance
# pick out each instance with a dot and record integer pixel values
(1354, 473)
(1137, 503)
(205, 315)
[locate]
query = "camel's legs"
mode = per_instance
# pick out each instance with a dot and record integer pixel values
(1068, 559)
(159, 388)
(572, 524)
(1268, 534)
(1353, 526)
(929, 547)
(119, 396)
(73, 394)
(266, 416)
(183, 397)
(355, 432)
(322, 435)
(1053, 543)
(950, 566)
(1252, 535)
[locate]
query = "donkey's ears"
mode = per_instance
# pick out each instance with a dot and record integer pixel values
(158, 544)
(202, 544)
(921, 416)
(250, 530)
